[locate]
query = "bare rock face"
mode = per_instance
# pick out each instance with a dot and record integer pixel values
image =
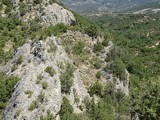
(38, 91)
(55, 14)
(123, 85)
(49, 13)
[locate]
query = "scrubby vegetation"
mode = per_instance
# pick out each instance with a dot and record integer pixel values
(29, 93)
(50, 71)
(66, 112)
(48, 117)
(44, 85)
(78, 47)
(33, 105)
(136, 49)
(96, 89)
(136, 40)
(7, 84)
(66, 79)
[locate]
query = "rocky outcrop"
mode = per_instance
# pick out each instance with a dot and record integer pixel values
(49, 13)
(123, 85)
(55, 14)
(30, 90)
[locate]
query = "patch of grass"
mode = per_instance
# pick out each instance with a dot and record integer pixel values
(96, 89)
(19, 60)
(14, 67)
(98, 47)
(97, 63)
(78, 47)
(39, 78)
(48, 117)
(7, 84)
(41, 97)
(33, 105)
(105, 42)
(50, 71)
(66, 79)
(52, 48)
(38, 81)
(98, 75)
(44, 85)
(18, 111)
(29, 93)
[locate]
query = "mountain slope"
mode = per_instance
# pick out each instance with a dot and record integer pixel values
(37, 84)
(105, 5)
(58, 65)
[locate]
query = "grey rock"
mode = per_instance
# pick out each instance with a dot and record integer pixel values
(35, 60)
(55, 14)
(123, 85)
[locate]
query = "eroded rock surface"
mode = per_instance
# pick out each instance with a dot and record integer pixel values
(36, 56)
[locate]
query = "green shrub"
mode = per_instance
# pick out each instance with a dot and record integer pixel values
(18, 111)
(7, 3)
(33, 105)
(53, 48)
(48, 117)
(14, 67)
(118, 69)
(52, 1)
(96, 89)
(7, 84)
(41, 97)
(66, 79)
(105, 42)
(103, 110)
(44, 85)
(66, 109)
(29, 93)
(97, 63)
(98, 75)
(7, 10)
(50, 71)
(19, 60)
(92, 30)
(98, 47)
(78, 47)
(23, 8)
(40, 77)
(37, 1)
(38, 81)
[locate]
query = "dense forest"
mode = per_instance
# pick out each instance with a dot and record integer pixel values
(137, 40)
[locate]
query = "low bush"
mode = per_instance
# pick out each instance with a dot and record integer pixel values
(97, 63)
(98, 75)
(78, 47)
(33, 105)
(44, 85)
(7, 84)
(19, 60)
(98, 47)
(48, 117)
(96, 89)
(29, 93)
(66, 79)
(50, 71)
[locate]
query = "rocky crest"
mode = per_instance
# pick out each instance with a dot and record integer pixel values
(49, 13)
(36, 56)
(55, 14)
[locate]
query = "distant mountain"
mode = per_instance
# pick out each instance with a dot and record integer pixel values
(89, 6)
